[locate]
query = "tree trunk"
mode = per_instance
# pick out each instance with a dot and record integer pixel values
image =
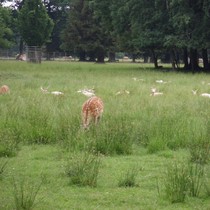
(133, 57)
(145, 58)
(206, 65)
(92, 56)
(173, 60)
(185, 59)
(100, 56)
(82, 56)
(194, 60)
(112, 56)
(154, 59)
(21, 46)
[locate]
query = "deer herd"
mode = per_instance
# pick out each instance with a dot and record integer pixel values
(93, 107)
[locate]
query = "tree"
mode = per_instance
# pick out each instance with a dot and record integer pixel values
(6, 32)
(34, 23)
(102, 13)
(122, 30)
(149, 25)
(57, 11)
(191, 23)
(83, 34)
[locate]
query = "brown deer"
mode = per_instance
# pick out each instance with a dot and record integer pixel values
(92, 110)
(4, 89)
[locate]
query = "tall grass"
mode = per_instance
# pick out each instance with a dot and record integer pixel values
(173, 120)
(182, 179)
(132, 126)
(25, 193)
(177, 182)
(83, 169)
(3, 165)
(128, 178)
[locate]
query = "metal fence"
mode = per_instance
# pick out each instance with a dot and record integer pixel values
(8, 54)
(35, 54)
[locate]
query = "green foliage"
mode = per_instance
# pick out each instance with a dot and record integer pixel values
(6, 32)
(83, 169)
(83, 34)
(37, 27)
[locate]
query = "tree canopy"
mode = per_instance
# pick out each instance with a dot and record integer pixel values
(6, 32)
(34, 23)
(93, 29)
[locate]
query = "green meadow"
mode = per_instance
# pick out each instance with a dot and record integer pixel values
(147, 152)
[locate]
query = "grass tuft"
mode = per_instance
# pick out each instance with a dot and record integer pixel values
(83, 169)
(25, 193)
(128, 178)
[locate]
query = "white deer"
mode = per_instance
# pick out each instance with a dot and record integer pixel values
(87, 92)
(57, 93)
(154, 92)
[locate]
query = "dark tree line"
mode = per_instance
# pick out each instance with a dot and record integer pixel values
(93, 29)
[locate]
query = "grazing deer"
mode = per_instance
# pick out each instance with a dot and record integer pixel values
(92, 110)
(4, 89)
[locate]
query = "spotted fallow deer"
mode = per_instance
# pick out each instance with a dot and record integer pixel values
(92, 110)
(4, 89)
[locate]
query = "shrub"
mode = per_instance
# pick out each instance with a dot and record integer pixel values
(83, 169)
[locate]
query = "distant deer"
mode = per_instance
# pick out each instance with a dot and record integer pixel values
(4, 89)
(92, 110)
(57, 93)
(154, 92)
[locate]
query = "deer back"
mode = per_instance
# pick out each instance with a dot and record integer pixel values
(92, 109)
(4, 89)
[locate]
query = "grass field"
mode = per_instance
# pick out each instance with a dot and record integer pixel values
(146, 153)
